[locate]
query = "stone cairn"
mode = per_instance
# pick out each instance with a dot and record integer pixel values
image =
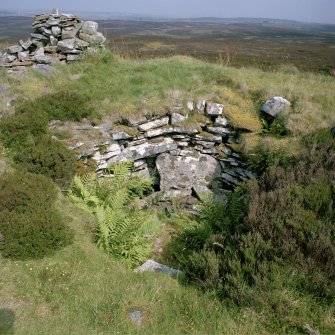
(55, 38)
(183, 161)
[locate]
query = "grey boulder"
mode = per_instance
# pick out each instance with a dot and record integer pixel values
(42, 59)
(152, 266)
(90, 28)
(66, 46)
(98, 38)
(189, 170)
(275, 106)
(14, 49)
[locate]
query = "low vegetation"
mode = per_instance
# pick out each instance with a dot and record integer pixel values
(49, 158)
(262, 264)
(123, 230)
(30, 225)
(272, 242)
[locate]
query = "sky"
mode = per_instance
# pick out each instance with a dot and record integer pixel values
(322, 11)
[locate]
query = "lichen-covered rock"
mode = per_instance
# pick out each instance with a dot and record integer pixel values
(275, 106)
(189, 170)
(214, 109)
(147, 149)
(90, 27)
(154, 124)
(66, 46)
(158, 132)
(120, 135)
(42, 59)
(176, 117)
(201, 104)
(96, 39)
(152, 266)
(14, 49)
(221, 122)
(218, 130)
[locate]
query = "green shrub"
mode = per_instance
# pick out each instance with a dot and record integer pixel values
(122, 230)
(21, 129)
(19, 191)
(277, 236)
(49, 158)
(36, 233)
(62, 105)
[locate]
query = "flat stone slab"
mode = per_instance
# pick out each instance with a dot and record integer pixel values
(45, 68)
(154, 124)
(190, 169)
(147, 149)
(152, 266)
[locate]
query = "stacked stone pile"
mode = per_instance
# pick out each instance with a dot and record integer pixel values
(184, 160)
(55, 38)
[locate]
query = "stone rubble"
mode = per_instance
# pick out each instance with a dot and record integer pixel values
(56, 38)
(181, 160)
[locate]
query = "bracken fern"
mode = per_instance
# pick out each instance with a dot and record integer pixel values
(122, 230)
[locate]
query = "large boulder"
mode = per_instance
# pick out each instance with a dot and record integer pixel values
(190, 169)
(275, 106)
(90, 27)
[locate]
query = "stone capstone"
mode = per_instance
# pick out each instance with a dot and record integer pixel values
(189, 170)
(147, 149)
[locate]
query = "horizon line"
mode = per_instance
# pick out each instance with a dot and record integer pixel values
(152, 16)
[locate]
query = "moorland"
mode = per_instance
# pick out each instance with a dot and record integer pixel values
(263, 263)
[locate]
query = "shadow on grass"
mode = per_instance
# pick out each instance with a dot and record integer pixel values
(7, 318)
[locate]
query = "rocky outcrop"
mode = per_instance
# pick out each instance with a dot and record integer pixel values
(181, 159)
(55, 38)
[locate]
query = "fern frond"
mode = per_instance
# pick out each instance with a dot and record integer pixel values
(121, 231)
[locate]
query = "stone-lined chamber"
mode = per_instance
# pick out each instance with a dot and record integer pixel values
(55, 38)
(184, 160)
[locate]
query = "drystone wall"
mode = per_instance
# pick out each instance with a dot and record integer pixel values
(183, 160)
(55, 38)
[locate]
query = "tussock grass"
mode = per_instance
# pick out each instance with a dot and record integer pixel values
(116, 87)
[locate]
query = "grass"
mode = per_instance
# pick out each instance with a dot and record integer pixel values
(83, 291)
(80, 290)
(116, 87)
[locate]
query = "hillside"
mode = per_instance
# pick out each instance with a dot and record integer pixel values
(281, 247)
(264, 43)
